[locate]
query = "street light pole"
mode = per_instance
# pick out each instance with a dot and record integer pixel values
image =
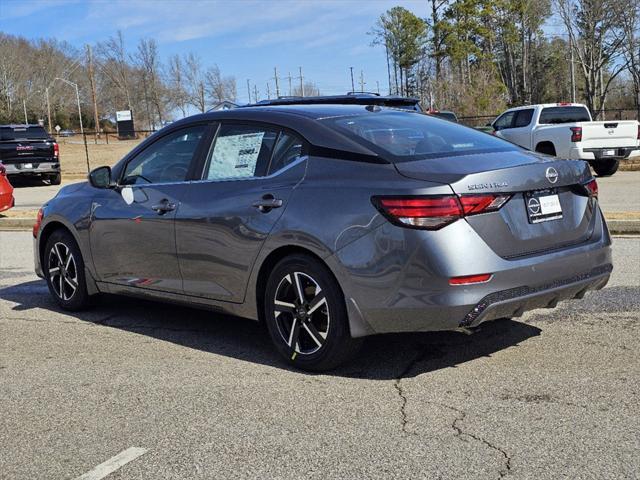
(24, 106)
(48, 110)
(86, 149)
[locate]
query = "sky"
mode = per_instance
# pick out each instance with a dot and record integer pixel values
(245, 38)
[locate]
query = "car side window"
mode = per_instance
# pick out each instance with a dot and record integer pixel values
(504, 121)
(240, 151)
(166, 160)
(523, 118)
(288, 149)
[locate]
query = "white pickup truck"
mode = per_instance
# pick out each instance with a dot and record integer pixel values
(566, 130)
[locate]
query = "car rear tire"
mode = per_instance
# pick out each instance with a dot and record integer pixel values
(55, 179)
(306, 315)
(63, 269)
(605, 168)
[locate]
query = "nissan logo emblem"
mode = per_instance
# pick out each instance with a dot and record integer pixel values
(552, 175)
(534, 205)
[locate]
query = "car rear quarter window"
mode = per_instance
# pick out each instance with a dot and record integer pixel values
(20, 133)
(240, 151)
(402, 137)
(555, 115)
(288, 149)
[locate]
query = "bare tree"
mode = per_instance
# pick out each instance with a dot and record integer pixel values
(310, 90)
(195, 83)
(177, 84)
(219, 88)
(114, 65)
(631, 47)
(597, 36)
(151, 70)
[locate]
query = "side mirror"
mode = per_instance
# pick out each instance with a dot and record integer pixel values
(101, 178)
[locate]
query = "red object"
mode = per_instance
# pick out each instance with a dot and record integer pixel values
(592, 187)
(36, 226)
(564, 104)
(432, 213)
(576, 134)
(470, 279)
(6, 191)
(56, 150)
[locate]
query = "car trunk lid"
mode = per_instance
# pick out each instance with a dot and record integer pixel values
(514, 230)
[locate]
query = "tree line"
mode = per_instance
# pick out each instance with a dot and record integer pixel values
(110, 78)
(480, 56)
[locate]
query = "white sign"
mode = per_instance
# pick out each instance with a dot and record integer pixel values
(123, 115)
(57, 128)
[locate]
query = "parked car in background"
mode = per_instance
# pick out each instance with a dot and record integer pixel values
(351, 98)
(28, 150)
(445, 114)
(6, 190)
(329, 223)
(67, 133)
(566, 130)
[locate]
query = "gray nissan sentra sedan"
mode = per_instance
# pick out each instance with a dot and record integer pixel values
(329, 223)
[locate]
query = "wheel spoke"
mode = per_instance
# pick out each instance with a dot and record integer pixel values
(57, 252)
(61, 286)
(318, 301)
(72, 283)
(314, 334)
(53, 271)
(284, 307)
(68, 262)
(299, 291)
(294, 333)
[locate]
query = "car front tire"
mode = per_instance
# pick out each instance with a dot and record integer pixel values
(306, 315)
(63, 268)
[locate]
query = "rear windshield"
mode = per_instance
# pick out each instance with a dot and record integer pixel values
(403, 137)
(19, 133)
(553, 115)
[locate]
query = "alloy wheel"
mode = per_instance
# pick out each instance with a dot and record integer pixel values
(301, 313)
(63, 272)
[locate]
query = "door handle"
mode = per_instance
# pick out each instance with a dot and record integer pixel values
(163, 207)
(267, 203)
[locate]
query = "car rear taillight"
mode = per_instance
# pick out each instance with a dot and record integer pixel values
(56, 150)
(592, 188)
(470, 279)
(36, 226)
(434, 212)
(576, 134)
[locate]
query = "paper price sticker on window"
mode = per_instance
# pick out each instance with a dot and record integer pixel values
(236, 155)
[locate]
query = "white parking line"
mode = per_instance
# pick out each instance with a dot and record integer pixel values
(113, 464)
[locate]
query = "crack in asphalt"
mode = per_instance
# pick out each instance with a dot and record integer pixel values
(455, 425)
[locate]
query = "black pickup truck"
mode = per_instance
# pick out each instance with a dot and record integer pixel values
(28, 150)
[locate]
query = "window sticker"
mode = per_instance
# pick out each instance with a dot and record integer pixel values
(235, 156)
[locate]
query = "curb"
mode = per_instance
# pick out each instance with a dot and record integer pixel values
(16, 223)
(616, 227)
(624, 227)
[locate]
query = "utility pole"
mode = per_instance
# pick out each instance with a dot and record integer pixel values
(268, 92)
(572, 71)
(96, 118)
(301, 81)
(362, 82)
(249, 90)
(275, 77)
(289, 77)
(48, 110)
(378, 87)
(24, 106)
(86, 149)
(353, 88)
(255, 93)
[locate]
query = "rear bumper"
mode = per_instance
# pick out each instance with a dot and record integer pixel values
(397, 280)
(516, 301)
(597, 154)
(32, 168)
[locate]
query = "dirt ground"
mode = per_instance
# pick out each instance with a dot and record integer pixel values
(73, 158)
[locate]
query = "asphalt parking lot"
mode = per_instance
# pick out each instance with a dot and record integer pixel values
(553, 394)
